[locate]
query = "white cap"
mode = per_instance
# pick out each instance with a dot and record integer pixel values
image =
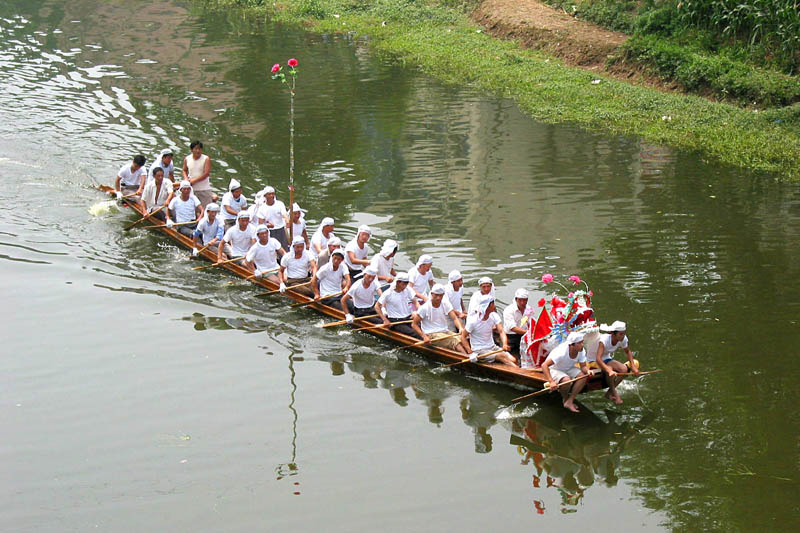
(618, 325)
(296, 207)
(166, 151)
(268, 190)
(337, 252)
(364, 229)
(454, 275)
(389, 247)
(298, 239)
(424, 259)
(371, 271)
(437, 288)
(234, 185)
(327, 221)
(243, 214)
(185, 184)
(485, 279)
(212, 207)
(574, 337)
(261, 229)
(334, 241)
(402, 277)
(259, 195)
(521, 293)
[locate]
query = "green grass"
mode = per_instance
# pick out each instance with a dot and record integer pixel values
(444, 43)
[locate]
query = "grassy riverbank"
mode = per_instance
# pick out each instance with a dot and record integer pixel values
(443, 42)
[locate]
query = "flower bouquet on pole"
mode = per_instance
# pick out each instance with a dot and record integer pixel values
(279, 74)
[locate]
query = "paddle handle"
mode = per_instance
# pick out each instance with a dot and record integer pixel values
(342, 322)
(420, 343)
(174, 225)
(467, 360)
(126, 228)
(316, 300)
(248, 278)
(377, 326)
(547, 388)
(219, 263)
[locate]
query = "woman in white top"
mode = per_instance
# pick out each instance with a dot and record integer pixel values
(321, 237)
(421, 278)
(331, 281)
(362, 293)
(261, 258)
(297, 268)
(394, 305)
(357, 251)
(233, 201)
(197, 169)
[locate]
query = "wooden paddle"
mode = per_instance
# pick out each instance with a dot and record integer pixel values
(640, 373)
(546, 388)
(261, 274)
(342, 322)
(219, 263)
(201, 250)
(129, 195)
(129, 226)
(174, 225)
(317, 300)
(287, 288)
(376, 326)
(105, 188)
(467, 360)
(420, 343)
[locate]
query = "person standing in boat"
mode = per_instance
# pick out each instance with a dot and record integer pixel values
(319, 241)
(485, 286)
(454, 291)
(233, 201)
(238, 239)
(481, 324)
(360, 298)
(209, 231)
(513, 317)
(130, 179)
(394, 305)
(274, 215)
(262, 257)
(331, 280)
(383, 263)
(299, 225)
(183, 208)
(602, 356)
(164, 162)
(157, 193)
(298, 266)
(560, 366)
(430, 322)
(356, 252)
(197, 169)
(334, 243)
(420, 278)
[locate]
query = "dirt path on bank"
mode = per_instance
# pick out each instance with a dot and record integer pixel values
(576, 42)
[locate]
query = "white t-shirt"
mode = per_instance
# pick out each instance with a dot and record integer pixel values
(512, 317)
(273, 214)
(397, 304)
(321, 240)
(561, 359)
(233, 203)
(298, 227)
(363, 297)
(208, 231)
(167, 170)
(130, 179)
(434, 319)
(454, 296)
(480, 331)
(420, 282)
(184, 211)
(608, 349)
(240, 241)
(297, 268)
(330, 280)
(264, 255)
(360, 253)
(382, 265)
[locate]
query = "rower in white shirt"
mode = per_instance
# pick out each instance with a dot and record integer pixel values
(430, 322)
(394, 305)
(360, 297)
(262, 257)
(298, 266)
(233, 201)
(560, 367)
(209, 230)
(454, 291)
(184, 208)
(485, 286)
(383, 263)
(514, 319)
(601, 356)
(420, 278)
(321, 237)
(299, 225)
(356, 252)
(331, 280)
(481, 324)
(130, 179)
(238, 239)
(163, 161)
(157, 193)
(273, 213)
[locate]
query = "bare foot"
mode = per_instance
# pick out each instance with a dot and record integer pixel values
(617, 399)
(571, 406)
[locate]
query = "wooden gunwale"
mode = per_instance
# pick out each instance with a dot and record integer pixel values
(530, 379)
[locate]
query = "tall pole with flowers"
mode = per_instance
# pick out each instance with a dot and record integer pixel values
(278, 74)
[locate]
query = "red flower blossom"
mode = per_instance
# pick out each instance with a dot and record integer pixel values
(541, 302)
(292, 62)
(276, 67)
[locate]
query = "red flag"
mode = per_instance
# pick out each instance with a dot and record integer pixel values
(536, 331)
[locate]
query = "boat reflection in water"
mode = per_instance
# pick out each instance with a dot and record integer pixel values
(569, 454)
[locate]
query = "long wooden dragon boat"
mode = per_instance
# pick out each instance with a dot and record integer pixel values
(528, 379)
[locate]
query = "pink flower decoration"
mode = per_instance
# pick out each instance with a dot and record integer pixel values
(547, 278)
(292, 62)
(591, 293)
(276, 67)
(571, 294)
(575, 279)
(541, 303)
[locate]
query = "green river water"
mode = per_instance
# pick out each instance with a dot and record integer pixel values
(139, 395)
